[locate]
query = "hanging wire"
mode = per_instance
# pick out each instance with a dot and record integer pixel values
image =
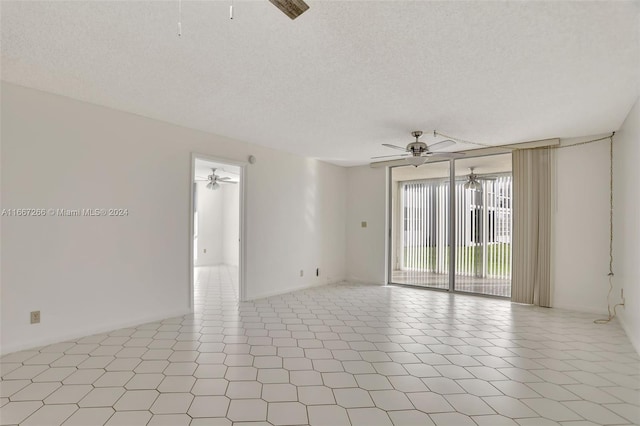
(609, 138)
(436, 133)
(610, 315)
(512, 147)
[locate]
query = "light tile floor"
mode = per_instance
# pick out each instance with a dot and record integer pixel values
(334, 355)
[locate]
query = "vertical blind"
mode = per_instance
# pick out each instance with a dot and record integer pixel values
(426, 224)
(483, 224)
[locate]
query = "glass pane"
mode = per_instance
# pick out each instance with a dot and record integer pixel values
(420, 225)
(483, 225)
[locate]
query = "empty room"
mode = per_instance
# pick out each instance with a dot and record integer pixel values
(304, 212)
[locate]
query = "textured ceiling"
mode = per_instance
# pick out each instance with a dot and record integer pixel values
(202, 169)
(344, 77)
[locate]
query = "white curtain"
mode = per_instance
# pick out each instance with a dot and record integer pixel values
(531, 280)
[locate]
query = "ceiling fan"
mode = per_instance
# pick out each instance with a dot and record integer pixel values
(418, 152)
(215, 180)
(474, 181)
(291, 8)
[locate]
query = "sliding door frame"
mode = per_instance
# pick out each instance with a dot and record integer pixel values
(452, 225)
(392, 217)
(451, 229)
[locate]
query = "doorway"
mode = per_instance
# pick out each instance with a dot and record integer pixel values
(451, 225)
(217, 189)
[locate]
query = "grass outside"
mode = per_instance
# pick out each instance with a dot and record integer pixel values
(498, 260)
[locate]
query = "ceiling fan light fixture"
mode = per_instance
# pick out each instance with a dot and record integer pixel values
(416, 160)
(473, 185)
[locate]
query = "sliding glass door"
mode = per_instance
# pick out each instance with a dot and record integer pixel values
(422, 225)
(483, 225)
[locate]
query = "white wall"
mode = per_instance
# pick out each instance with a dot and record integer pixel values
(88, 274)
(218, 225)
(366, 258)
(296, 217)
(626, 248)
(581, 233)
(581, 237)
(210, 226)
(230, 224)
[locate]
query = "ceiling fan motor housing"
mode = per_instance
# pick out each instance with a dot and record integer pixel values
(417, 148)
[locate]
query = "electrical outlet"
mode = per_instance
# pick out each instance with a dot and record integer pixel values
(301, 273)
(35, 317)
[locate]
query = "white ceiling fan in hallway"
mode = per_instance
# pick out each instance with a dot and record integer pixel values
(214, 180)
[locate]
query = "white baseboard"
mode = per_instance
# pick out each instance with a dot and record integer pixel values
(266, 294)
(359, 280)
(581, 308)
(89, 331)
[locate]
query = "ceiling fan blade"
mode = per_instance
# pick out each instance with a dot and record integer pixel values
(446, 154)
(227, 181)
(441, 145)
(388, 145)
(386, 156)
(224, 178)
(291, 8)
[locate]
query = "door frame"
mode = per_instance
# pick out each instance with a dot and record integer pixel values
(242, 221)
(451, 230)
(451, 227)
